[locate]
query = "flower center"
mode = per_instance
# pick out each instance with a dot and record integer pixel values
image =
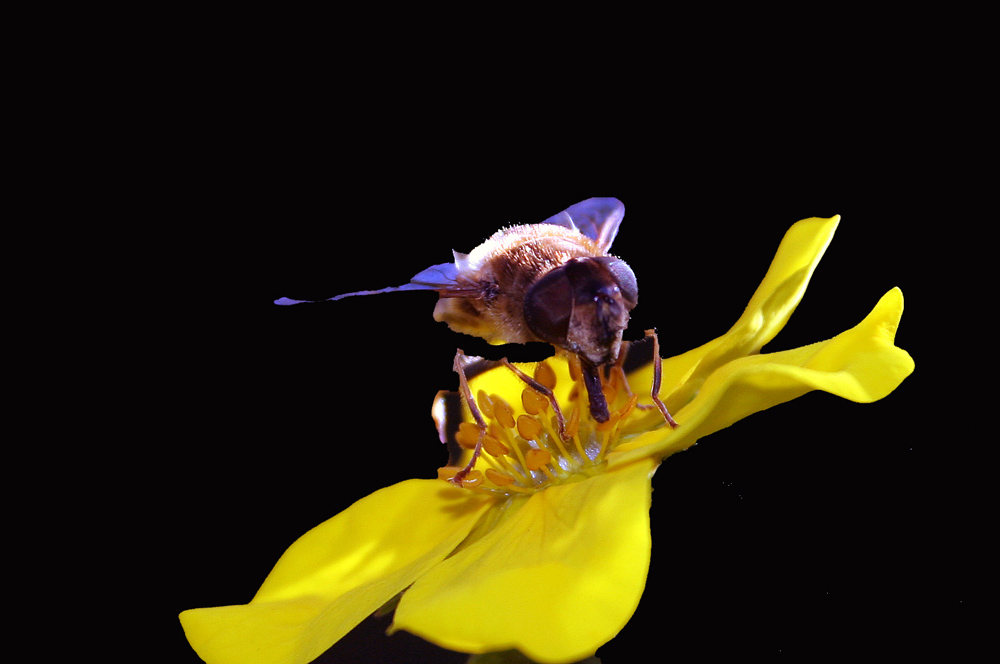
(546, 439)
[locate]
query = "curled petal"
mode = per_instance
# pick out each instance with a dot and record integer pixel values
(555, 579)
(861, 364)
(337, 574)
(782, 288)
(772, 304)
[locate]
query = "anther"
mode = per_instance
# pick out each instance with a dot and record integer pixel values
(557, 446)
(544, 391)
(536, 458)
(467, 435)
(494, 447)
(499, 478)
(575, 368)
(610, 391)
(502, 412)
(472, 478)
(533, 402)
(545, 375)
(607, 424)
(528, 427)
(485, 404)
(628, 407)
(573, 425)
(447, 472)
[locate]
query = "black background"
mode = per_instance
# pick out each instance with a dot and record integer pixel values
(817, 527)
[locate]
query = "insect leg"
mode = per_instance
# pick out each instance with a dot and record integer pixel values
(654, 392)
(618, 371)
(545, 392)
(460, 361)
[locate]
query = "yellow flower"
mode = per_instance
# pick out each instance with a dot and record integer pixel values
(545, 544)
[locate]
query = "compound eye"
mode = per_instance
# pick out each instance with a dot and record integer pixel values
(625, 277)
(548, 305)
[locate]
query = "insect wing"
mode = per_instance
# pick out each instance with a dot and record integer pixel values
(442, 278)
(436, 276)
(597, 218)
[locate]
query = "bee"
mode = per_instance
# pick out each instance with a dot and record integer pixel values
(554, 282)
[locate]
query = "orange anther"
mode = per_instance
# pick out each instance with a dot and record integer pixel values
(485, 404)
(545, 375)
(467, 435)
(533, 402)
(610, 391)
(617, 378)
(447, 472)
(494, 447)
(608, 425)
(529, 427)
(536, 458)
(498, 478)
(474, 478)
(575, 370)
(573, 424)
(502, 412)
(628, 407)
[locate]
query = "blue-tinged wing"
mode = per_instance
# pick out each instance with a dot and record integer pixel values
(442, 278)
(597, 218)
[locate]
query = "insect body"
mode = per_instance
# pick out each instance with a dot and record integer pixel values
(553, 282)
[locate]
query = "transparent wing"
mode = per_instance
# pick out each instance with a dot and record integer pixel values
(442, 278)
(597, 218)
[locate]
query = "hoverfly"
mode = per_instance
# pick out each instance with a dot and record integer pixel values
(553, 282)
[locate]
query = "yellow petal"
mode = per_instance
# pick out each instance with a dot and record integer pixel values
(861, 364)
(780, 291)
(555, 579)
(338, 573)
(772, 303)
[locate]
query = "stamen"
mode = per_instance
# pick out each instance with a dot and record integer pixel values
(447, 472)
(573, 429)
(529, 427)
(545, 375)
(485, 405)
(630, 405)
(527, 448)
(467, 435)
(505, 437)
(608, 424)
(533, 402)
(536, 458)
(575, 368)
(548, 424)
(502, 412)
(498, 454)
(605, 428)
(472, 478)
(498, 478)
(541, 389)
(573, 426)
(501, 435)
(493, 447)
(610, 390)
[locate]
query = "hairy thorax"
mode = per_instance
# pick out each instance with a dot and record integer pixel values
(504, 267)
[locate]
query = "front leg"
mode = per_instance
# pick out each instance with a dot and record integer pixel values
(654, 391)
(461, 360)
(545, 392)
